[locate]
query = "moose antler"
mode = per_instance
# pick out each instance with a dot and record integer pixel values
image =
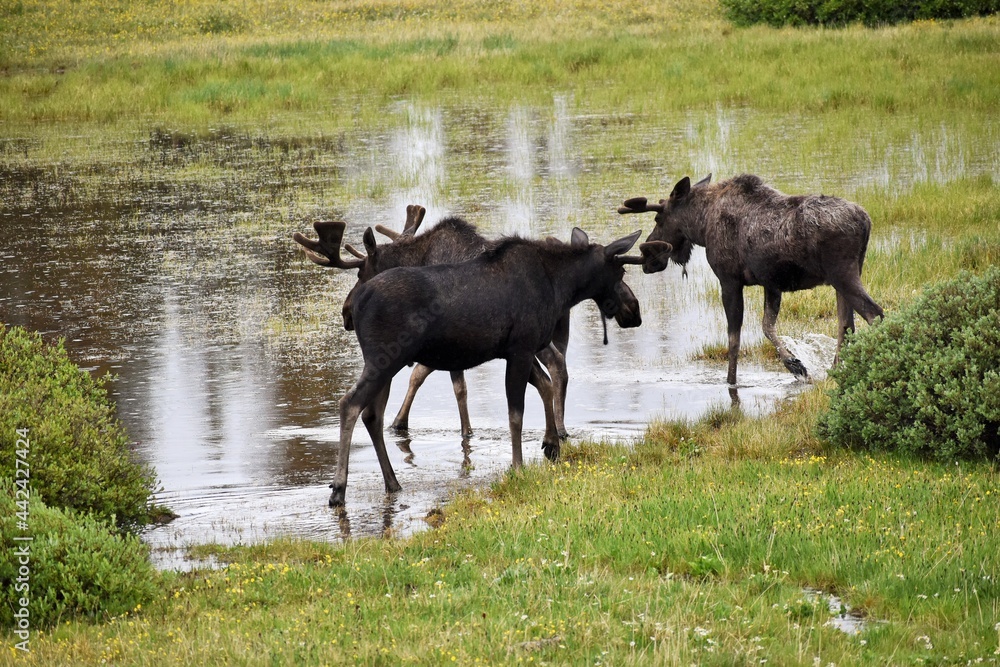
(414, 216)
(640, 205)
(354, 251)
(326, 251)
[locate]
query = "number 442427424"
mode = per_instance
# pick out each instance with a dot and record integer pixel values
(22, 476)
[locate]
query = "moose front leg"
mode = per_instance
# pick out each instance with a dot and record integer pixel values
(772, 304)
(550, 442)
(417, 378)
(516, 381)
(558, 372)
(732, 302)
(555, 364)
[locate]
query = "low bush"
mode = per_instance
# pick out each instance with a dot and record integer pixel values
(926, 380)
(79, 456)
(779, 13)
(73, 565)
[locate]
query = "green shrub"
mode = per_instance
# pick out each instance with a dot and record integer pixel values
(76, 566)
(926, 380)
(841, 12)
(79, 456)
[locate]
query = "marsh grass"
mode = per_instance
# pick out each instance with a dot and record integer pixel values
(695, 544)
(758, 352)
(934, 231)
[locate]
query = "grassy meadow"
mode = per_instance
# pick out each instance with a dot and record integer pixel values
(718, 542)
(201, 61)
(714, 543)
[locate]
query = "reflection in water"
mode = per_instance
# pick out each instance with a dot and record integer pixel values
(713, 138)
(418, 151)
(227, 345)
(565, 197)
(518, 204)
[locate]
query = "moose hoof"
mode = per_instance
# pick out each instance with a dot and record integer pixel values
(796, 368)
(337, 497)
(564, 434)
(393, 487)
(400, 426)
(551, 450)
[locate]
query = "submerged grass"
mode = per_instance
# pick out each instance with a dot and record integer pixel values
(697, 545)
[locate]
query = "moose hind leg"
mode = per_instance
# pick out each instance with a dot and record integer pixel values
(772, 304)
(851, 298)
(845, 322)
(417, 378)
(862, 302)
(373, 417)
(462, 398)
(354, 401)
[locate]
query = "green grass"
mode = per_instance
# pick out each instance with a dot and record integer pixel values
(696, 545)
(273, 66)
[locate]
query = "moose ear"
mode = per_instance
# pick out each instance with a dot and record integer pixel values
(579, 238)
(622, 245)
(704, 181)
(681, 189)
(370, 246)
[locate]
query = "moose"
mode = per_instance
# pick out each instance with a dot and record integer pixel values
(755, 235)
(503, 304)
(450, 241)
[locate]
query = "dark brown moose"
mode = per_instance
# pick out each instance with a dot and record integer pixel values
(503, 304)
(755, 235)
(450, 241)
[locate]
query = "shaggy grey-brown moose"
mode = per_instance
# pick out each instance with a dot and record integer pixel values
(503, 304)
(756, 235)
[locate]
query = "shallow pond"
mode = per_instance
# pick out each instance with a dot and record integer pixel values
(166, 259)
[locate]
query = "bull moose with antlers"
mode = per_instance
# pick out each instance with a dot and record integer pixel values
(453, 241)
(755, 235)
(450, 242)
(503, 304)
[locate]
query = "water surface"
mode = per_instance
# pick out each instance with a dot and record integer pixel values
(166, 259)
